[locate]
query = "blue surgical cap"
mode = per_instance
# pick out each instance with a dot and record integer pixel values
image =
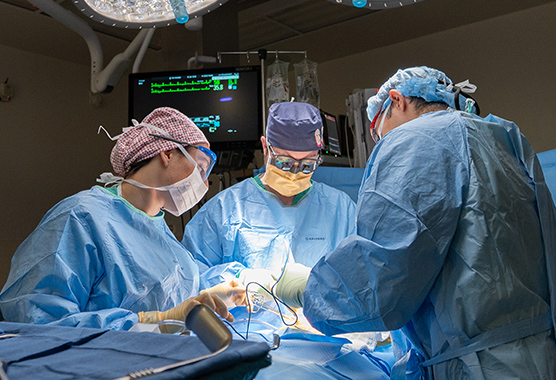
(294, 126)
(422, 82)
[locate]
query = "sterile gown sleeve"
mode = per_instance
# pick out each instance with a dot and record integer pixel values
(203, 238)
(407, 213)
(55, 289)
(95, 261)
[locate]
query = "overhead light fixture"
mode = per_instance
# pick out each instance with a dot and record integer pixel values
(138, 14)
(376, 4)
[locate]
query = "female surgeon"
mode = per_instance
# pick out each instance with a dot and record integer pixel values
(105, 257)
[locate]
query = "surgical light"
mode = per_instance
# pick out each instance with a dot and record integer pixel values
(376, 4)
(138, 14)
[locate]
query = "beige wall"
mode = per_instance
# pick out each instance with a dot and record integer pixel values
(510, 58)
(50, 149)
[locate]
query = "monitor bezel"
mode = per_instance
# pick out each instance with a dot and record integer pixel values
(327, 143)
(216, 145)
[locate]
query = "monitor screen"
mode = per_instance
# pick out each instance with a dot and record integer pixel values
(226, 103)
(331, 140)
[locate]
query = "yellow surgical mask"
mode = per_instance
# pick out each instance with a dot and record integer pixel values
(286, 183)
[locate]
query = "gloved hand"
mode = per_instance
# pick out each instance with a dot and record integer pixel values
(291, 286)
(256, 278)
(180, 312)
(231, 292)
(262, 277)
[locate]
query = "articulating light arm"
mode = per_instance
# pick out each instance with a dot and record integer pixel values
(102, 80)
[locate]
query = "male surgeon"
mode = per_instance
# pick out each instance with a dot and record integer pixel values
(276, 217)
(455, 241)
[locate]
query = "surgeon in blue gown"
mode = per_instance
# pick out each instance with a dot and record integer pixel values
(455, 241)
(105, 257)
(278, 216)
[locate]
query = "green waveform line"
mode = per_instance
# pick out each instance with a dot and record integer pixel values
(178, 90)
(159, 85)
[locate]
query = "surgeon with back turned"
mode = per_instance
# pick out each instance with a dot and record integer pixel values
(254, 227)
(455, 241)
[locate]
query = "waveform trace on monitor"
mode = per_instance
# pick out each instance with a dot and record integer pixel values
(218, 82)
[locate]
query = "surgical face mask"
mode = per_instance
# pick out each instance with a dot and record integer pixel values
(178, 197)
(284, 182)
(182, 195)
(376, 133)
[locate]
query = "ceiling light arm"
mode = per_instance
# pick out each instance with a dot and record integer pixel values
(80, 27)
(193, 61)
(106, 80)
(142, 51)
(102, 79)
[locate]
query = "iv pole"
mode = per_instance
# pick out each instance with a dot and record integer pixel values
(261, 53)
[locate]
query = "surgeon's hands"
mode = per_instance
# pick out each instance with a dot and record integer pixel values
(260, 277)
(291, 286)
(180, 312)
(232, 293)
(254, 280)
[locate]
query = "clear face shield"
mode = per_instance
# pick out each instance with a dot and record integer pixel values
(204, 157)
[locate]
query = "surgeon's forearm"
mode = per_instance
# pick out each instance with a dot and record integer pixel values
(220, 273)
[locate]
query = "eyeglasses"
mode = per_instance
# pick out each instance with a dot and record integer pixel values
(290, 164)
(205, 158)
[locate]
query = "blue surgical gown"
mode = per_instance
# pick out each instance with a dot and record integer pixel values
(95, 261)
(247, 226)
(455, 239)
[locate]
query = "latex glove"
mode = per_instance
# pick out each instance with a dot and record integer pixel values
(231, 292)
(263, 277)
(180, 312)
(254, 277)
(291, 286)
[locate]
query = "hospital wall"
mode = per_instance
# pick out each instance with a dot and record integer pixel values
(50, 148)
(510, 58)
